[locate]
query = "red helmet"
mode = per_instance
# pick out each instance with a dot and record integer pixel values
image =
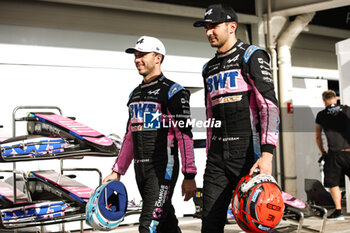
(257, 203)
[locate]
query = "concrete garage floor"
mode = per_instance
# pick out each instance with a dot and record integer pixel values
(312, 224)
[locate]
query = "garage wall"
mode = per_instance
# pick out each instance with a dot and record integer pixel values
(89, 19)
(83, 18)
(305, 111)
(315, 51)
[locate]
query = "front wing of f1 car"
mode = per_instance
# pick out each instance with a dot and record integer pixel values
(52, 136)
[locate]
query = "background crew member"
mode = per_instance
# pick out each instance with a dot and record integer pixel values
(335, 121)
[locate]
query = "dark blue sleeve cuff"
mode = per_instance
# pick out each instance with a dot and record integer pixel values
(189, 176)
(267, 148)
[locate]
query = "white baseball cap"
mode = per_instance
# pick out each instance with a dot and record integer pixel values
(148, 44)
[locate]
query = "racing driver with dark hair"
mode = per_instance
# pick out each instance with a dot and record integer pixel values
(239, 92)
(153, 145)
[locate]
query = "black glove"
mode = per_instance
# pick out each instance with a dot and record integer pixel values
(324, 154)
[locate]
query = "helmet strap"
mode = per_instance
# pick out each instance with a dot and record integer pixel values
(258, 179)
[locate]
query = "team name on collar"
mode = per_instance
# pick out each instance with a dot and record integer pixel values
(220, 55)
(149, 84)
(152, 83)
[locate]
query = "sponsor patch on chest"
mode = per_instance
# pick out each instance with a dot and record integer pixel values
(227, 99)
(138, 109)
(222, 80)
